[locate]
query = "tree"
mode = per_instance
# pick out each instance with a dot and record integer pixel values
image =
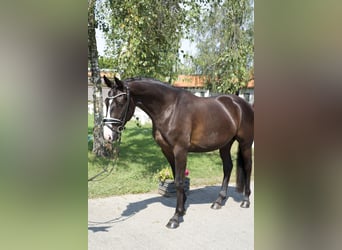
(226, 45)
(145, 35)
(106, 62)
(144, 38)
(98, 145)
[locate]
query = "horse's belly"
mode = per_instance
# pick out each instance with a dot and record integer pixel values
(199, 149)
(208, 142)
(213, 130)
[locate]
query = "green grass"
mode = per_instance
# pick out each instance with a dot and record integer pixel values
(140, 159)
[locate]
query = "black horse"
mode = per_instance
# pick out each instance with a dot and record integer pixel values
(182, 123)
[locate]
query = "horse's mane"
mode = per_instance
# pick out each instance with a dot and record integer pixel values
(149, 80)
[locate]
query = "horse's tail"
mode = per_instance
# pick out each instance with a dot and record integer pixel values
(240, 173)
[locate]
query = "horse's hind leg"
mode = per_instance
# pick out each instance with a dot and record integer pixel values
(244, 170)
(227, 169)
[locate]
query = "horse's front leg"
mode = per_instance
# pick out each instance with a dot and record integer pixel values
(180, 160)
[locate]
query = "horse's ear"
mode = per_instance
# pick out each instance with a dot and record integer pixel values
(119, 83)
(108, 82)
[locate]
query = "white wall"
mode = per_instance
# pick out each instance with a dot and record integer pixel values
(247, 94)
(143, 117)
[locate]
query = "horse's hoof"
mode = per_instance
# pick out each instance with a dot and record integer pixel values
(172, 224)
(215, 205)
(245, 204)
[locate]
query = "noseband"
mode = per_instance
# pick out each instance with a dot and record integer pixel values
(120, 122)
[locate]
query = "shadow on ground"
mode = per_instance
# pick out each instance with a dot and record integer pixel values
(205, 195)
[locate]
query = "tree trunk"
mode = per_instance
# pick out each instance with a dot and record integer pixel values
(98, 145)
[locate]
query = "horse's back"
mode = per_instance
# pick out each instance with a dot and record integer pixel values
(216, 108)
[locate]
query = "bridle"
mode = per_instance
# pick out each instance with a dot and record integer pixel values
(120, 122)
(116, 121)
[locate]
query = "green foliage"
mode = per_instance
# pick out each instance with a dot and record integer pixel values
(164, 174)
(143, 39)
(106, 62)
(226, 45)
(145, 35)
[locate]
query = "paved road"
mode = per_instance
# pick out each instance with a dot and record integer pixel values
(138, 222)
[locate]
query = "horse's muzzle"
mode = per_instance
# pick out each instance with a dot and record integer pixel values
(110, 134)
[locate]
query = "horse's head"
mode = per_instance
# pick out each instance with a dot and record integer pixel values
(119, 108)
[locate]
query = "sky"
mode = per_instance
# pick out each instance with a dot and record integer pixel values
(100, 42)
(186, 45)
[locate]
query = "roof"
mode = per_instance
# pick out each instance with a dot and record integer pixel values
(189, 81)
(250, 84)
(197, 81)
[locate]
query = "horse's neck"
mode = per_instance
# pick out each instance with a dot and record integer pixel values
(153, 100)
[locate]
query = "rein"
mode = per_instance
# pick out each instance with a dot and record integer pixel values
(120, 122)
(105, 170)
